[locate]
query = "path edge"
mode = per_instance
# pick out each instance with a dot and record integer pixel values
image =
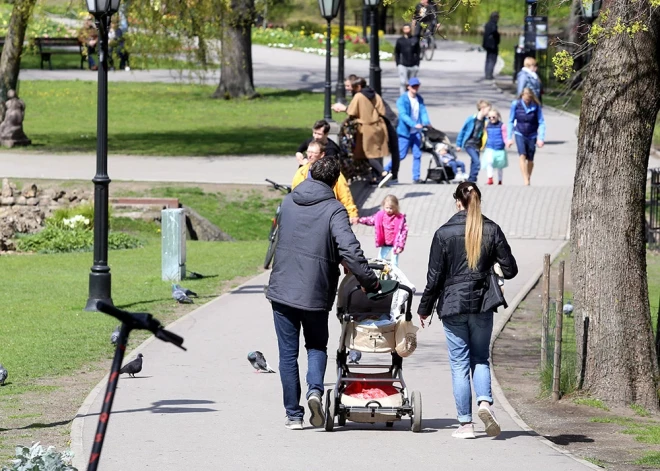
(498, 327)
(79, 460)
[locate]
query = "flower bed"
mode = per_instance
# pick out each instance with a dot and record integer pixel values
(314, 43)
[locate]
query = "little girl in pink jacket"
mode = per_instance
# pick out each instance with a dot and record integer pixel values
(391, 230)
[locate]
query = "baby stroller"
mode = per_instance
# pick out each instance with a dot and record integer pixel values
(437, 171)
(353, 396)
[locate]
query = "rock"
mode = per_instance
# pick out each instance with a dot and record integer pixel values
(11, 128)
(30, 191)
(57, 195)
(6, 189)
(7, 200)
(32, 202)
(201, 228)
(44, 201)
(22, 200)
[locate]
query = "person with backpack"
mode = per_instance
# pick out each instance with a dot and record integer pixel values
(526, 122)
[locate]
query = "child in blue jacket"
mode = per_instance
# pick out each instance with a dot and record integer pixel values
(472, 137)
(527, 124)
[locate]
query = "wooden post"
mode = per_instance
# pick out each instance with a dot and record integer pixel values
(545, 307)
(559, 312)
(657, 334)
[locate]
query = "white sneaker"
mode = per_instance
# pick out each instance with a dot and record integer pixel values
(491, 424)
(464, 431)
(127, 69)
(384, 180)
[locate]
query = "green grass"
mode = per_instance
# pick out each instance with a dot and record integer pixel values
(595, 461)
(642, 431)
(640, 410)
(625, 421)
(650, 459)
(45, 330)
(591, 402)
(167, 119)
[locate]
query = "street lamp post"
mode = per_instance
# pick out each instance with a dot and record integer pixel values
(99, 277)
(329, 10)
(340, 92)
(374, 65)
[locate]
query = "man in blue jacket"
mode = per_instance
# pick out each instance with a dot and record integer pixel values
(315, 236)
(412, 118)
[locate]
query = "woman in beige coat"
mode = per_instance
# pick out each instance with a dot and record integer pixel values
(368, 109)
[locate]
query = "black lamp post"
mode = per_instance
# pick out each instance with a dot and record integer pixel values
(374, 66)
(329, 10)
(99, 277)
(340, 93)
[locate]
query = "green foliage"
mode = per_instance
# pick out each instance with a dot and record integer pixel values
(308, 28)
(167, 119)
(596, 461)
(61, 214)
(54, 239)
(639, 410)
(652, 458)
(563, 64)
(642, 431)
(38, 26)
(38, 458)
(591, 402)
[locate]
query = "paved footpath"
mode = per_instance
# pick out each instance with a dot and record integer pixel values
(205, 409)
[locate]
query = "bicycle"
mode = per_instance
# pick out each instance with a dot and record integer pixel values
(129, 321)
(274, 233)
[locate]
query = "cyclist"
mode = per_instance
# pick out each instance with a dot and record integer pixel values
(320, 132)
(316, 151)
(425, 19)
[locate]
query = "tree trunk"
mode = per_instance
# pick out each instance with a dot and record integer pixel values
(619, 107)
(236, 78)
(10, 61)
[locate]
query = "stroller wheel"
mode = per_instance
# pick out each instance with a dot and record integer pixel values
(416, 416)
(330, 410)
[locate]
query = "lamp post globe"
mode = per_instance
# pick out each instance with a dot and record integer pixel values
(329, 9)
(374, 63)
(99, 277)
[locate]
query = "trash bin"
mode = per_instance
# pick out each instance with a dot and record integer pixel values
(173, 230)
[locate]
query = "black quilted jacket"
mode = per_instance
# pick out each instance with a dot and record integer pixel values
(458, 289)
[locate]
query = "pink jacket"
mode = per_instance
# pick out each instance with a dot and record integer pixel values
(401, 229)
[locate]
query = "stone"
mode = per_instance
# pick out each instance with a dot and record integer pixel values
(6, 189)
(32, 201)
(7, 200)
(11, 128)
(22, 200)
(30, 191)
(201, 228)
(57, 195)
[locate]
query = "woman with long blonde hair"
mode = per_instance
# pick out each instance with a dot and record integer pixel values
(463, 253)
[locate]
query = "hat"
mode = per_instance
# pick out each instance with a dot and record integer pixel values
(414, 82)
(387, 287)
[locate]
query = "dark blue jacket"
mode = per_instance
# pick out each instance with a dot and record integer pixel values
(526, 121)
(495, 138)
(406, 123)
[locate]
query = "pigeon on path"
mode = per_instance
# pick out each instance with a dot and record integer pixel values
(132, 367)
(180, 296)
(259, 363)
(354, 356)
(114, 337)
(568, 308)
(186, 291)
(3, 375)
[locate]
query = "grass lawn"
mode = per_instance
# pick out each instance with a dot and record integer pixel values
(167, 119)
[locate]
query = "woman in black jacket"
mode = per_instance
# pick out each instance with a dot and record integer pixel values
(463, 253)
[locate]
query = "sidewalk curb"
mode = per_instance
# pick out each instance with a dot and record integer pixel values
(79, 460)
(498, 327)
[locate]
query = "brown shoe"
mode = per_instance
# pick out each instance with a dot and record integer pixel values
(94, 67)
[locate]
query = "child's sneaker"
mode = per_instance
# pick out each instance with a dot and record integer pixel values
(491, 424)
(500, 182)
(464, 431)
(490, 181)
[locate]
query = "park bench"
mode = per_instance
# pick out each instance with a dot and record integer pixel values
(49, 46)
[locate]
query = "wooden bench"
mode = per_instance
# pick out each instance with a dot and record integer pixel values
(49, 46)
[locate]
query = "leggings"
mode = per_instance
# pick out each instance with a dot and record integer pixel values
(377, 165)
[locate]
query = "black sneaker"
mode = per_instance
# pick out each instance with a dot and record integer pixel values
(418, 182)
(316, 409)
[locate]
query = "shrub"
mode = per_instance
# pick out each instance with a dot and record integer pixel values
(306, 28)
(38, 458)
(84, 210)
(55, 239)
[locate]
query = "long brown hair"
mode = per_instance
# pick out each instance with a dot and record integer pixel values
(470, 197)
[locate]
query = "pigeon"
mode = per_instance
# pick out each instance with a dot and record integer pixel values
(354, 357)
(3, 375)
(132, 367)
(186, 291)
(568, 308)
(259, 363)
(180, 296)
(114, 337)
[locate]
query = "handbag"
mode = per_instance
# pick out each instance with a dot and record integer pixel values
(405, 335)
(493, 297)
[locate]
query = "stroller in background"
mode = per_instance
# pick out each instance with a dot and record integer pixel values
(346, 400)
(437, 171)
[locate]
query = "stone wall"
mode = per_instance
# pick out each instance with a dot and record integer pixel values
(24, 211)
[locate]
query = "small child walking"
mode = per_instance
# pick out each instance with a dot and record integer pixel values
(391, 230)
(494, 156)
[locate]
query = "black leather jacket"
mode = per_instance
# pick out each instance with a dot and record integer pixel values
(457, 288)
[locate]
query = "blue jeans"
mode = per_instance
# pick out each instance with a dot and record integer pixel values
(475, 165)
(468, 339)
(456, 165)
(288, 321)
(405, 143)
(387, 253)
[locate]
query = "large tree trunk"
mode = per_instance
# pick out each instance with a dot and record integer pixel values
(236, 50)
(10, 61)
(619, 107)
